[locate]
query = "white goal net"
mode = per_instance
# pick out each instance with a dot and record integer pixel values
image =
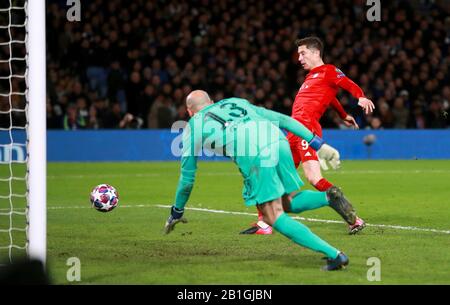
(16, 131)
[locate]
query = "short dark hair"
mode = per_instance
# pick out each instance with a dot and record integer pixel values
(311, 43)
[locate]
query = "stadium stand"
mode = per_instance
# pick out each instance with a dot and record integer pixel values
(131, 64)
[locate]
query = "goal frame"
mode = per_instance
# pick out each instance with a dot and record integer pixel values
(36, 131)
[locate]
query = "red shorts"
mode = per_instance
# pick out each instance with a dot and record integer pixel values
(301, 152)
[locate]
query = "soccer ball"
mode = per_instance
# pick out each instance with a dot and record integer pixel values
(104, 198)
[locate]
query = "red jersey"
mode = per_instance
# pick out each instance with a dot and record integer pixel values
(318, 91)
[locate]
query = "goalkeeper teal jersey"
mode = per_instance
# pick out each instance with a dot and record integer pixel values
(234, 128)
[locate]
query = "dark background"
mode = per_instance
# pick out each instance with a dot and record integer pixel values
(143, 58)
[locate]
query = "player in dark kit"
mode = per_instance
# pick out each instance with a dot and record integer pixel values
(317, 92)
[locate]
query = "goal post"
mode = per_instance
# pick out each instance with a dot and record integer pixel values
(36, 131)
(23, 189)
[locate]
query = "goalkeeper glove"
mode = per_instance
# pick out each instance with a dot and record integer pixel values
(176, 216)
(323, 163)
(330, 155)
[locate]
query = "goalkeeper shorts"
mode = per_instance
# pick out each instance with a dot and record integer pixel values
(269, 175)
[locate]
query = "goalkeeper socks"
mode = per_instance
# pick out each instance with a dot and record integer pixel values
(301, 235)
(323, 185)
(308, 200)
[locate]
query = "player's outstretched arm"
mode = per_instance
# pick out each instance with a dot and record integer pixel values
(292, 125)
(338, 77)
(348, 85)
(184, 189)
(187, 178)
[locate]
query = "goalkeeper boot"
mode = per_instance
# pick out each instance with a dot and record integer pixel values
(335, 264)
(357, 226)
(341, 205)
(260, 228)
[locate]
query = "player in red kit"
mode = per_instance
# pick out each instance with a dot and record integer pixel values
(317, 92)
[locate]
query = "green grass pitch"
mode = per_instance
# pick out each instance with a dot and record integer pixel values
(126, 246)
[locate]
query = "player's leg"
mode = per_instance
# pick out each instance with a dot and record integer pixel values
(291, 178)
(300, 234)
(305, 201)
(311, 168)
(338, 201)
(308, 157)
(311, 200)
(251, 173)
(343, 207)
(264, 186)
(301, 201)
(308, 200)
(260, 227)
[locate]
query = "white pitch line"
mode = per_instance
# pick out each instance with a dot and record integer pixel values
(319, 220)
(407, 228)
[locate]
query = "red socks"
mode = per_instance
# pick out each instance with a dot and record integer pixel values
(260, 215)
(323, 185)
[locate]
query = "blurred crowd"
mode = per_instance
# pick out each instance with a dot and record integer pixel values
(131, 64)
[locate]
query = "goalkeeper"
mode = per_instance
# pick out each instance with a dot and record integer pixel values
(267, 167)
